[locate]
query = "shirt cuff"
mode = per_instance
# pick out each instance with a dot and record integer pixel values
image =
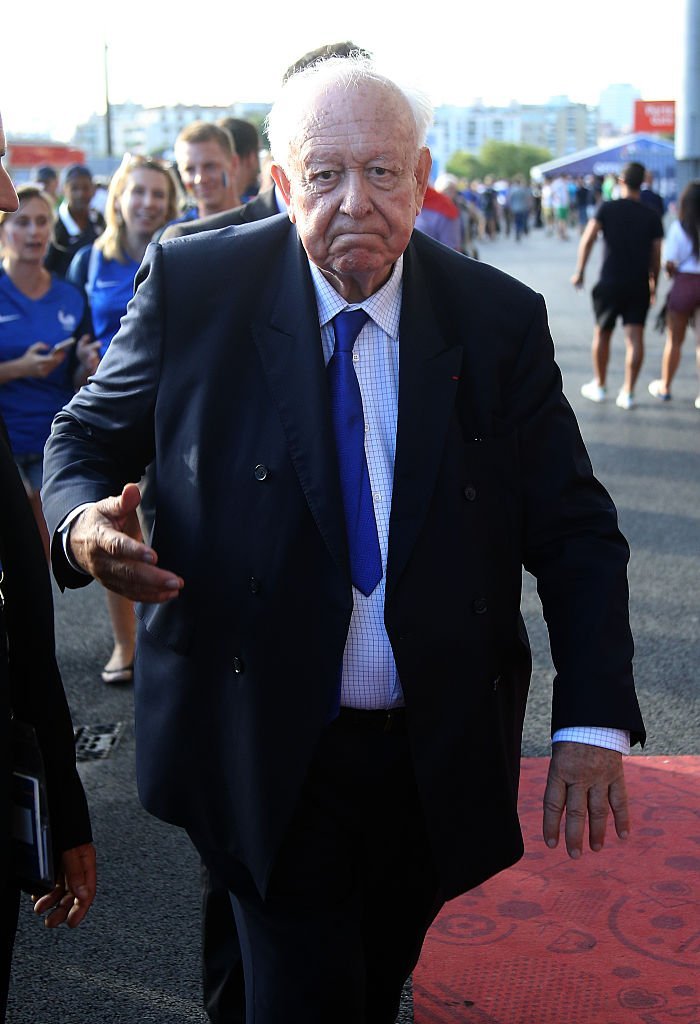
(595, 736)
(63, 531)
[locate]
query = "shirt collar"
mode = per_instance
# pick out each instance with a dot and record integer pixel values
(68, 222)
(384, 307)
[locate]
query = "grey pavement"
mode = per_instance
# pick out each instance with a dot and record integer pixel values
(136, 957)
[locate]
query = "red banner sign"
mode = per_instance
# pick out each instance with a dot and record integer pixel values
(654, 115)
(34, 154)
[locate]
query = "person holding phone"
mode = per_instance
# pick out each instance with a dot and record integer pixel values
(41, 316)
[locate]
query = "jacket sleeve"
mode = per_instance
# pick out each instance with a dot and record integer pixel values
(572, 545)
(107, 428)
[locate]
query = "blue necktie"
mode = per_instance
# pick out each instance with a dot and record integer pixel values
(349, 429)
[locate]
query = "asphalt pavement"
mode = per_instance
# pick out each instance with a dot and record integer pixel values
(137, 956)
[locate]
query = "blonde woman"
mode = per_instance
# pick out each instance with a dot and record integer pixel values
(143, 196)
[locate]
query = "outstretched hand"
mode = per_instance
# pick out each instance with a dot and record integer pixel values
(587, 782)
(105, 541)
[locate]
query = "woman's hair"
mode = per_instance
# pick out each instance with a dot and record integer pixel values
(689, 214)
(112, 241)
(283, 121)
(24, 194)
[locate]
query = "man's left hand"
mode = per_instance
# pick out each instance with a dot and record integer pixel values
(588, 781)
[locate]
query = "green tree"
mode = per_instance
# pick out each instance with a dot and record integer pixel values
(506, 159)
(465, 166)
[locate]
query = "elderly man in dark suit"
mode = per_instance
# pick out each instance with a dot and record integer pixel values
(360, 439)
(31, 692)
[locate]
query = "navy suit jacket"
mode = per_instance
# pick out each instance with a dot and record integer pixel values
(262, 206)
(217, 373)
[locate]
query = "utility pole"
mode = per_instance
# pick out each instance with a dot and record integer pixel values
(688, 126)
(108, 109)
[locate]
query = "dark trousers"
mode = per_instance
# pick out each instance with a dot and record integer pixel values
(352, 892)
(222, 966)
(9, 909)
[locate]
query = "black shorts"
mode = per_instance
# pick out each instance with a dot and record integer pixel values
(612, 301)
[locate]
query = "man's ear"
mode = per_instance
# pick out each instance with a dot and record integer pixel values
(282, 182)
(425, 162)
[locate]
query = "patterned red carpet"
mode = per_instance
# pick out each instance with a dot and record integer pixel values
(612, 939)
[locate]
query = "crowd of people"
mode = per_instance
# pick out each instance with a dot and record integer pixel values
(342, 817)
(629, 215)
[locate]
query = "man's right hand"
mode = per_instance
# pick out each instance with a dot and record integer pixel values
(102, 540)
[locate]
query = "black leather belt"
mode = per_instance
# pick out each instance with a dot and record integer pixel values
(384, 720)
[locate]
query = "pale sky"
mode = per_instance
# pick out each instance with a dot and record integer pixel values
(51, 68)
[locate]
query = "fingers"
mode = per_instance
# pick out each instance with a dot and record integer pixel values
(71, 897)
(81, 880)
(105, 540)
(620, 807)
(55, 906)
(554, 803)
(585, 782)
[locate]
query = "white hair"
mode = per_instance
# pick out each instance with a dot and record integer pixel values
(285, 118)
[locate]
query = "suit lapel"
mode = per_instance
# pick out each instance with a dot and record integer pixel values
(290, 349)
(429, 370)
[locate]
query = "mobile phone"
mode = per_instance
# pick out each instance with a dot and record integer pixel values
(66, 343)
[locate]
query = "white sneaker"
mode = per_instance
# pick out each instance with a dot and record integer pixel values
(593, 391)
(625, 400)
(697, 402)
(655, 390)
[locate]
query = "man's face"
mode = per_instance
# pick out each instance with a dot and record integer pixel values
(8, 196)
(208, 173)
(78, 192)
(356, 184)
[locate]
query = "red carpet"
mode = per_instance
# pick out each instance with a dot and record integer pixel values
(612, 939)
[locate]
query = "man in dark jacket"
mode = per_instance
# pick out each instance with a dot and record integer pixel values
(77, 224)
(360, 439)
(31, 692)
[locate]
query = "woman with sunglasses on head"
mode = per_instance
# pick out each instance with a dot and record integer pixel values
(143, 196)
(41, 316)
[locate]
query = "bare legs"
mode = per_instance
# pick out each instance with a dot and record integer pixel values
(121, 614)
(601, 354)
(677, 324)
(634, 355)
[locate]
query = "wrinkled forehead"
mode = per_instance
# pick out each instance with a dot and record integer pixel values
(374, 114)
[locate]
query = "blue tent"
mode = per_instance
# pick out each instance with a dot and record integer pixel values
(657, 155)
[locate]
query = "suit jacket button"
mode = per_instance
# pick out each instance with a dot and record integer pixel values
(254, 585)
(470, 492)
(260, 471)
(238, 666)
(479, 606)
